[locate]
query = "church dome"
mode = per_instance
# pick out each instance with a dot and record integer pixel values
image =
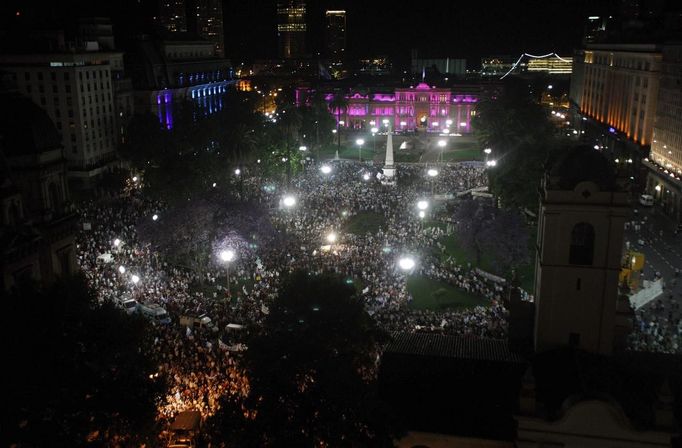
(25, 128)
(583, 164)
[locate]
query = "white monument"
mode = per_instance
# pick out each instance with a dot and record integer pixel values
(389, 168)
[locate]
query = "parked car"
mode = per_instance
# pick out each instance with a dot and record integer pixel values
(647, 200)
(129, 305)
(202, 321)
(155, 312)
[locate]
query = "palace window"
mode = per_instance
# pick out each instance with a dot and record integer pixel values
(582, 244)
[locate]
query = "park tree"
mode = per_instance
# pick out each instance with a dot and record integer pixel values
(312, 371)
(80, 370)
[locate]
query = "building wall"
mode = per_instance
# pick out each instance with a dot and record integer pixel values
(576, 303)
(335, 35)
(76, 90)
(291, 28)
(666, 147)
(620, 88)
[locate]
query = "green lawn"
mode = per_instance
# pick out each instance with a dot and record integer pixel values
(453, 249)
(462, 155)
(402, 157)
(365, 222)
(434, 295)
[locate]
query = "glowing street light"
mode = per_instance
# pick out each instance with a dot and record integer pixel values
(121, 269)
(374, 130)
(155, 217)
(227, 255)
(360, 142)
(406, 263)
(491, 163)
(331, 238)
(422, 205)
(442, 143)
(302, 148)
(366, 176)
(487, 150)
(237, 172)
(326, 169)
(657, 188)
(117, 242)
(134, 178)
(135, 279)
(422, 214)
(289, 201)
(432, 172)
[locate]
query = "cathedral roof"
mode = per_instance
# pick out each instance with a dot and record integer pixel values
(25, 128)
(581, 164)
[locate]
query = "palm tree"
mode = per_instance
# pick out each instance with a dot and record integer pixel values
(338, 104)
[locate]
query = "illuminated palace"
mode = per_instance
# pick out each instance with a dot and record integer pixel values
(405, 109)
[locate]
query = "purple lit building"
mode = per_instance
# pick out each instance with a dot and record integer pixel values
(420, 107)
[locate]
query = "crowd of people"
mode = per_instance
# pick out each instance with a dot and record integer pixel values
(201, 363)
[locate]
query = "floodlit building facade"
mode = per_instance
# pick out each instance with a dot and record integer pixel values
(77, 91)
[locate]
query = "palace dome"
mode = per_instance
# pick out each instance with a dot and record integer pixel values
(25, 128)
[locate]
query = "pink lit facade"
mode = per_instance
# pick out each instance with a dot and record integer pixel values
(407, 109)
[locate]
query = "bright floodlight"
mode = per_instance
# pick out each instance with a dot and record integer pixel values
(432, 172)
(135, 279)
(491, 163)
(657, 188)
(333, 131)
(359, 142)
(342, 122)
(302, 148)
(331, 237)
(487, 150)
(463, 123)
(214, 184)
(446, 131)
(155, 217)
(227, 255)
(289, 201)
(375, 130)
(326, 169)
(422, 214)
(117, 242)
(122, 269)
(422, 205)
(366, 176)
(134, 178)
(441, 143)
(448, 122)
(406, 263)
(237, 171)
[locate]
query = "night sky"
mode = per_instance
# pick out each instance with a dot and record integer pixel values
(468, 29)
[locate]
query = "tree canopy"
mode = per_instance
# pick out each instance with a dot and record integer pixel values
(79, 370)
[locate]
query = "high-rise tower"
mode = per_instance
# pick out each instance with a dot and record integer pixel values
(203, 18)
(335, 35)
(291, 28)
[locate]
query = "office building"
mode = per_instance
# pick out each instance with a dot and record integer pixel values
(551, 65)
(496, 66)
(335, 36)
(201, 18)
(291, 29)
(665, 164)
(76, 90)
(620, 88)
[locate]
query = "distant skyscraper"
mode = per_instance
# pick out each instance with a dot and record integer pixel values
(201, 17)
(336, 36)
(209, 19)
(173, 15)
(291, 28)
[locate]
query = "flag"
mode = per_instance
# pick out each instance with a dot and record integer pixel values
(188, 332)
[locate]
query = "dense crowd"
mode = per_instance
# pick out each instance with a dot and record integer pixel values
(201, 363)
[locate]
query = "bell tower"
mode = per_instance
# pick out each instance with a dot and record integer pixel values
(579, 247)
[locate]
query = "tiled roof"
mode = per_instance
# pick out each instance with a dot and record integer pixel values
(447, 346)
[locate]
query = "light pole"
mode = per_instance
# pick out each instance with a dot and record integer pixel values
(360, 142)
(432, 172)
(331, 238)
(487, 152)
(374, 139)
(326, 169)
(441, 145)
(406, 263)
(227, 256)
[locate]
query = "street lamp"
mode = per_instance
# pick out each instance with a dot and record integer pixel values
(366, 176)
(331, 238)
(406, 263)
(359, 142)
(374, 138)
(302, 148)
(237, 172)
(117, 242)
(155, 217)
(135, 279)
(289, 201)
(227, 256)
(326, 169)
(432, 172)
(441, 145)
(422, 205)
(491, 163)
(121, 269)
